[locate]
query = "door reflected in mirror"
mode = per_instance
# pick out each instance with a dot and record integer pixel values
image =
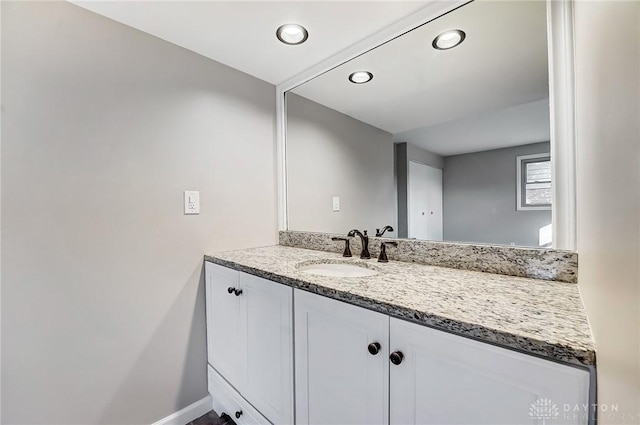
(441, 143)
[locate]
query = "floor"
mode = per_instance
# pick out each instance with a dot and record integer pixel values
(212, 418)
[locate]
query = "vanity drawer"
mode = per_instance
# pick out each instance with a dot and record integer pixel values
(227, 400)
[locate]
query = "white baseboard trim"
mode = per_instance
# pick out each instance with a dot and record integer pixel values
(189, 413)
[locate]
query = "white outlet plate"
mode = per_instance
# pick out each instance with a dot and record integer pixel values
(191, 202)
(336, 203)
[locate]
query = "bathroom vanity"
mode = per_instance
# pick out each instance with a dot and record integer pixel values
(437, 144)
(412, 344)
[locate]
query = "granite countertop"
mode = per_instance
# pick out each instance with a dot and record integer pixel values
(537, 317)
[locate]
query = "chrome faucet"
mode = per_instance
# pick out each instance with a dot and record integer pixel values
(365, 242)
(379, 232)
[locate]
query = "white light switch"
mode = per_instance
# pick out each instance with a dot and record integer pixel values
(336, 203)
(191, 202)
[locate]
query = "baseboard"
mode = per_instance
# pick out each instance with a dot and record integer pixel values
(189, 413)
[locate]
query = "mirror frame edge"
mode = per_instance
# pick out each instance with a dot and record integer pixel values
(560, 46)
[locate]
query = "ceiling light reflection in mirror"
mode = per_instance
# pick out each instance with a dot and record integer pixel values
(360, 77)
(449, 39)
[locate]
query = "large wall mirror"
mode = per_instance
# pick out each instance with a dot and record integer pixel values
(445, 142)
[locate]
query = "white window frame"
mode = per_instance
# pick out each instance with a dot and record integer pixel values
(519, 182)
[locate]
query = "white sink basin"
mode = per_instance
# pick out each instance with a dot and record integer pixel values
(337, 270)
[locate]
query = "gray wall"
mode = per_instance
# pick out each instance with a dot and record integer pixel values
(479, 198)
(331, 154)
(102, 289)
(404, 153)
(608, 195)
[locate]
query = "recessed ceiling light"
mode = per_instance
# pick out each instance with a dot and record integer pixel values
(292, 34)
(448, 39)
(360, 77)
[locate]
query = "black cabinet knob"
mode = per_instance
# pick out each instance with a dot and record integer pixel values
(238, 292)
(230, 290)
(396, 357)
(238, 414)
(374, 348)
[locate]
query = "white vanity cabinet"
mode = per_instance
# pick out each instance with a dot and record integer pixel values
(356, 366)
(250, 342)
(447, 379)
(439, 378)
(338, 381)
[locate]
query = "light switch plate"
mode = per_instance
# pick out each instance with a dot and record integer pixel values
(336, 203)
(191, 202)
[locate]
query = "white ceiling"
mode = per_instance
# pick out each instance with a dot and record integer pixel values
(513, 126)
(241, 34)
(501, 64)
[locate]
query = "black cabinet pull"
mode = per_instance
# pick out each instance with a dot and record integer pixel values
(396, 357)
(238, 414)
(230, 290)
(238, 292)
(374, 348)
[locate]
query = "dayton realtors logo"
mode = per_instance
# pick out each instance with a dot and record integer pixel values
(543, 409)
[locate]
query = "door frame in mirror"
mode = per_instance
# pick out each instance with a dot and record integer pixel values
(560, 42)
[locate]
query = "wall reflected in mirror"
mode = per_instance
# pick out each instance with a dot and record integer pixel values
(446, 144)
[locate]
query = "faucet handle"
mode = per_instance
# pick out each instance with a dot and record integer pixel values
(382, 258)
(380, 233)
(347, 249)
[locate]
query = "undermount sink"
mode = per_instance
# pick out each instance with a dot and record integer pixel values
(337, 270)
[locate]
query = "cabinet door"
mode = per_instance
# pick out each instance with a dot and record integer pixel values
(223, 313)
(337, 380)
(266, 347)
(447, 379)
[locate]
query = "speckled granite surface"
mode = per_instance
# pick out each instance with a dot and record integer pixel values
(534, 316)
(547, 264)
